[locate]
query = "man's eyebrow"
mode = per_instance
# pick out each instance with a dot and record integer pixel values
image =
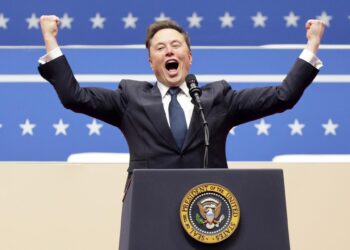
(176, 41)
(157, 44)
(172, 41)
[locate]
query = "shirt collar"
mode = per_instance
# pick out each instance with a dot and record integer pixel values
(164, 89)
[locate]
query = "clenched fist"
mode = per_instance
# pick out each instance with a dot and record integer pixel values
(49, 25)
(314, 33)
(49, 28)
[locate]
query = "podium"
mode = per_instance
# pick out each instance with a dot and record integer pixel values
(151, 220)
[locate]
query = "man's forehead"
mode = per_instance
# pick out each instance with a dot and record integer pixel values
(167, 35)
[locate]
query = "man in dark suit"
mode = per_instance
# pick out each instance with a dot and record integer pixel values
(144, 112)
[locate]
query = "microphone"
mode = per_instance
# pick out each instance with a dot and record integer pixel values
(195, 91)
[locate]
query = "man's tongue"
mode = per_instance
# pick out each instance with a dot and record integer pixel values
(172, 72)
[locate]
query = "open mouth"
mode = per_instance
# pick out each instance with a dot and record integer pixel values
(171, 65)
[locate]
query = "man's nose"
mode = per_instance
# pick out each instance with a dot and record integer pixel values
(169, 50)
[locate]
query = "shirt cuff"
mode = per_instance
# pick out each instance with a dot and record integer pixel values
(311, 58)
(51, 55)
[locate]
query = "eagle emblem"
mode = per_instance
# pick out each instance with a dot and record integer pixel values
(210, 210)
(209, 213)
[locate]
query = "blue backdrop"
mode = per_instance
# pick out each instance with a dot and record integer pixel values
(25, 96)
(34, 125)
(219, 22)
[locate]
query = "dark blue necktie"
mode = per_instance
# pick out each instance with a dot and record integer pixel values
(177, 118)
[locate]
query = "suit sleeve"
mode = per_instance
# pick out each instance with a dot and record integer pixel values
(104, 104)
(254, 103)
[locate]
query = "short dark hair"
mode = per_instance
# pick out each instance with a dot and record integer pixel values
(165, 24)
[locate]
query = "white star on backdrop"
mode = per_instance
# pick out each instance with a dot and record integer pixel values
(97, 21)
(296, 127)
(66, 21)
(259, 20)
(130, 21)
(161, 17)
(3, 21)
(0, 125)
(194, 20)
(227, 20)
(325, 18)
(262, 127)
(33, 21)
(232, 131)
(330, 127)
(60, 127)
(291, 19)
(94, 127)
(27, 127)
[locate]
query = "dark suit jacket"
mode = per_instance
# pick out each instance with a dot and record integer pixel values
(136, 108)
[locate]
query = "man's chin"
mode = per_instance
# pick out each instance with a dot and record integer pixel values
(173, 81)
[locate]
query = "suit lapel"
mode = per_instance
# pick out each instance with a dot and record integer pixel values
(196, 124)
(155, 111)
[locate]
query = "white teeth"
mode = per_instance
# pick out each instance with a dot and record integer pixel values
(171, 61)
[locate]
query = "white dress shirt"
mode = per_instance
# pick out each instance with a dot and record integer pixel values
(183, 97)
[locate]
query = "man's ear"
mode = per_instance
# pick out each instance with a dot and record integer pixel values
(150, 62)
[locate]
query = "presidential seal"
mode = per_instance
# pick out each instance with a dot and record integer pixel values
(209, 213)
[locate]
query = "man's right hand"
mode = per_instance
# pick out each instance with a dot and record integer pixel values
(49, 28)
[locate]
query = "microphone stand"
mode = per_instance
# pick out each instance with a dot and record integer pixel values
(206, 131)
(195, 93)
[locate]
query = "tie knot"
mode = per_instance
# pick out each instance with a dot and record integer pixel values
(173, 91)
